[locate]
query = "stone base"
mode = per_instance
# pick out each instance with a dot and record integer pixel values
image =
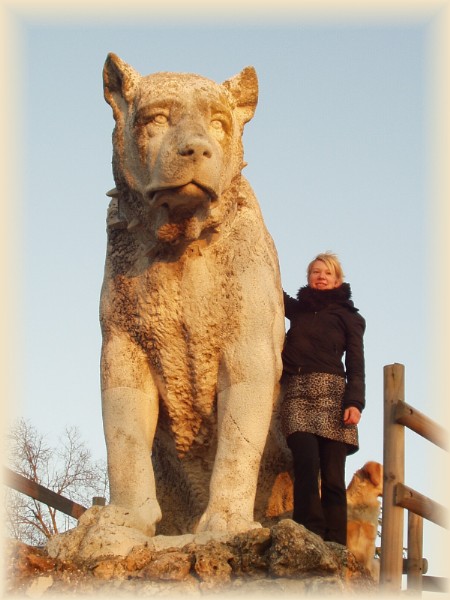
(286, 558)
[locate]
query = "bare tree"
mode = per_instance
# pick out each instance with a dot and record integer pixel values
(68, 469)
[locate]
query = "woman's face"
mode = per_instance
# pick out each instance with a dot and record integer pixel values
(321, 277)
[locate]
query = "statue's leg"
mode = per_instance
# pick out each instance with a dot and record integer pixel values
(130, 414)
(244, 414)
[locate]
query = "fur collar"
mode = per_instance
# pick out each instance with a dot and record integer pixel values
(314, 300)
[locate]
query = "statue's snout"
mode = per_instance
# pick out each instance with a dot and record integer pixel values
(195, 147)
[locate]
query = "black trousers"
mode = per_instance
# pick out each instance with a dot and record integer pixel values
(324, 512)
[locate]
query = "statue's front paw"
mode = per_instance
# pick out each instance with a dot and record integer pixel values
(225, 522)
(143, 518)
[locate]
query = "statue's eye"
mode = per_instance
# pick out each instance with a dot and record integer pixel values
(145, 118)
(217, 124)
(159, 119)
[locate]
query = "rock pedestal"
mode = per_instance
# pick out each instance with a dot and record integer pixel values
(286, 558)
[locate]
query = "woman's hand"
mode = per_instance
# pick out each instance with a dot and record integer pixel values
(352, 416)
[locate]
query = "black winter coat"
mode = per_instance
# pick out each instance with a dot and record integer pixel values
(325, 325)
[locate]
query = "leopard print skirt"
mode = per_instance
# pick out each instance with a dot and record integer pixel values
(314, 403)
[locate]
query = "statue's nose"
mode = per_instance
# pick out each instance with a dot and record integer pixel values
(197, 146)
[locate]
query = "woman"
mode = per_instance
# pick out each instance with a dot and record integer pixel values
(323, 400)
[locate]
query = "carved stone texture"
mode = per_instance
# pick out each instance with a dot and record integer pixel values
(286, 558)
(191, 312)
(172, 566)
(296, 550)
(250, 552)
(212, 564)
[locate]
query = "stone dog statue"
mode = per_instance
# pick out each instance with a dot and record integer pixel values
(191, 306)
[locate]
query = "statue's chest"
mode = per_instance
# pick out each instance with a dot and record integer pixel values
(187, 309)
(187, 315)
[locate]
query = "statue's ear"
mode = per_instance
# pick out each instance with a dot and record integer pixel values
(244, 89)
(119, 83)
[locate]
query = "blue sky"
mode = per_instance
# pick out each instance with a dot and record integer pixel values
(339, 155)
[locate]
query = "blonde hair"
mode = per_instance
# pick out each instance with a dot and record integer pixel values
(332, 263)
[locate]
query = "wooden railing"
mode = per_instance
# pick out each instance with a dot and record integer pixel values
(42, 494)
(397, 496)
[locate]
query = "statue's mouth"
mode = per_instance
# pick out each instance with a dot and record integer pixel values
(187, 197)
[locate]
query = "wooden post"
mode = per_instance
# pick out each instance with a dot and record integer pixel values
(394, 472)
(98, 501)
(415, 551)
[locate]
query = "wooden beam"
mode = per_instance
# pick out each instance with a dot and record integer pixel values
(424, 566)
(42, 494)
(420, 505)
(405, 414)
